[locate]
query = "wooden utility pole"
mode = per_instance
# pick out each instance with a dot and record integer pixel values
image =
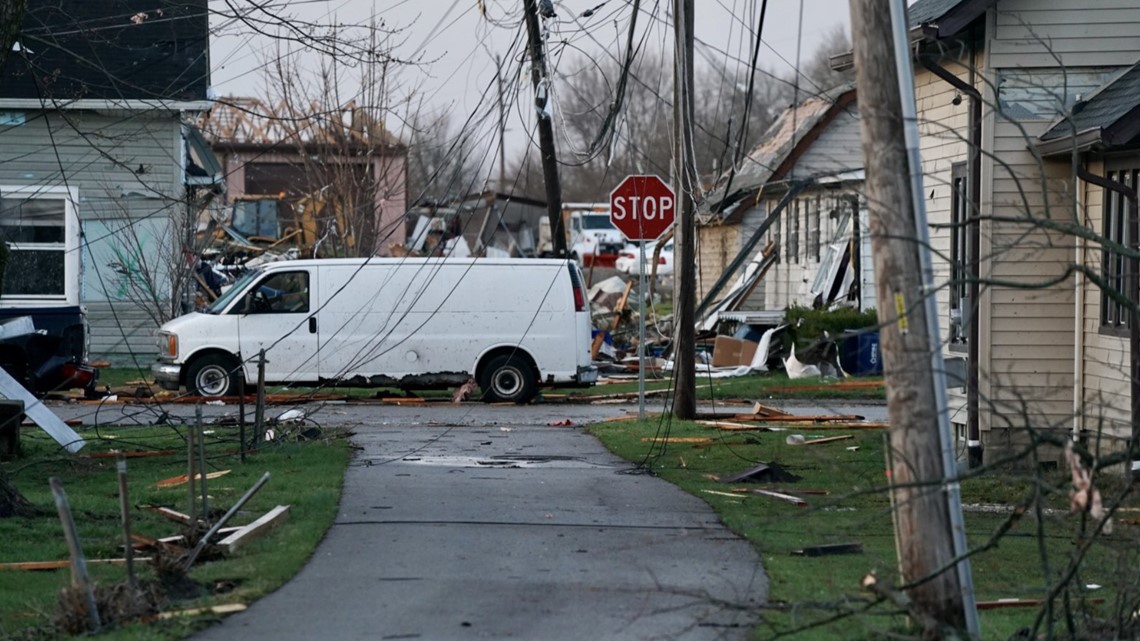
(918, 467)
(685, 186)
(539, 79)
(502, 186)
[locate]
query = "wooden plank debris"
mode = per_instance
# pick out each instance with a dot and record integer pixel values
(676, 439)
(794, 500)
(177, 517)
(845, 386)
(729, 425)
(1021, 603)
(183, 479)
(59, 565)
(259, 527)
(829, 439)
(763, 410)
(228, 608)
(144, 454)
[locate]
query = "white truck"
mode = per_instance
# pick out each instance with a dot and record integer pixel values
(589, 232)
(511, 324)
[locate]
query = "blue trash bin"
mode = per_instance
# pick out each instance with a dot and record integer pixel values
(860, 355)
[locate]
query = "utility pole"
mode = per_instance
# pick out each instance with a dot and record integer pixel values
(502, 127)
(928, 528)
(686, 188)
(540, 81)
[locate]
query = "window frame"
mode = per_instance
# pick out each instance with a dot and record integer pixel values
(959, 256)
(69, 247)
(1114, 317)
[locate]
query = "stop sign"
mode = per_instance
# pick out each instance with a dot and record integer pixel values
(642, 207)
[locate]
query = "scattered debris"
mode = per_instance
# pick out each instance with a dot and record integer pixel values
(796, 369)
(250, 532)
(228, 608)
(563, 423)
(718, 493)
(764, 472)
(831, 549)
(177, 517)
(795, 500)
(464, 391)
(816, 441)
(183, 479)
(59, 565)
(1084, 496)
(676, 439)
(40, 414)
(1021, 603)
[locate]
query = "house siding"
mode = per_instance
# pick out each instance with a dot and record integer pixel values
(1028, 33)
(838, 149)
(126, 168)
(943, 134)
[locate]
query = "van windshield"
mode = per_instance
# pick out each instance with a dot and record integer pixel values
(233, 292)
(597, 221)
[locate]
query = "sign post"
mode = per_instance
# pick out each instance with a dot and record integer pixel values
(642, 207)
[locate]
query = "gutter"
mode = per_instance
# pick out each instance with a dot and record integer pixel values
(974, 446)
(89, 104)
(1132, 285)
(1080, 141)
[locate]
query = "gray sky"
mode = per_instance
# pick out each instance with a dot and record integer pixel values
(456, 44)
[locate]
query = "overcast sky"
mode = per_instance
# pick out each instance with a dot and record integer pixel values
(456, 43)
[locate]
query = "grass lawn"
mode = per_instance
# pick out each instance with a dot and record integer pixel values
(820, 597)
(304, 475)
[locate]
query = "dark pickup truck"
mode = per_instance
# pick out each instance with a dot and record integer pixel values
(45, 348)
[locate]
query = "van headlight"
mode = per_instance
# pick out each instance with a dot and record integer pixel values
(168, 345)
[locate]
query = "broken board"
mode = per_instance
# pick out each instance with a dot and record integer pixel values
(39, 413)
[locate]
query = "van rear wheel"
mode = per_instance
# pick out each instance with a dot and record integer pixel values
(213, 375)
(508, 379)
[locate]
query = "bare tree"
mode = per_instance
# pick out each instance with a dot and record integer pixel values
(441, 159)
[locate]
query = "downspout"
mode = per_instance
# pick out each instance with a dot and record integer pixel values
(1132, 284)
(974, 447)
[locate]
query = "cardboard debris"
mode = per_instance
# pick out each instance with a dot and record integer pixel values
(733, 352)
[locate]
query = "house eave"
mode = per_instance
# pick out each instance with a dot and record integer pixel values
(93, 105)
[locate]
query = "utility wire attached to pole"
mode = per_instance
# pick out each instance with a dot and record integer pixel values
(544, 110)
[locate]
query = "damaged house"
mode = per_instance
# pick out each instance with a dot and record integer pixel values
(328, 182)
(1029, 117)
(786, 226)
(99, 172)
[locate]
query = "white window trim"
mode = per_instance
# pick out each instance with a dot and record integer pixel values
(71, 277)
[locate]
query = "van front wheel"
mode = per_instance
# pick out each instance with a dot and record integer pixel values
(213, 375)
(508, 379)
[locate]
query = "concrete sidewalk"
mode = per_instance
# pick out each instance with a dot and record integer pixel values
(518, 532)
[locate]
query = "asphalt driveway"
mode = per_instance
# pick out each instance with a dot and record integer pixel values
(499, 530)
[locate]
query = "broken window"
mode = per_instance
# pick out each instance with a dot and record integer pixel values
(35, 224)
(1113, 308)
(959, 253)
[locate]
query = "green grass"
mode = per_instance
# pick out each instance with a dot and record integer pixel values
(305, 475)
(751, 388)
(806, 591)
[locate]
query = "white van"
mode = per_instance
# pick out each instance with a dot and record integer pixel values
(511, 324)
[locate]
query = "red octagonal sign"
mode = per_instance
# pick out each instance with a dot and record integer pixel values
(642, 207)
